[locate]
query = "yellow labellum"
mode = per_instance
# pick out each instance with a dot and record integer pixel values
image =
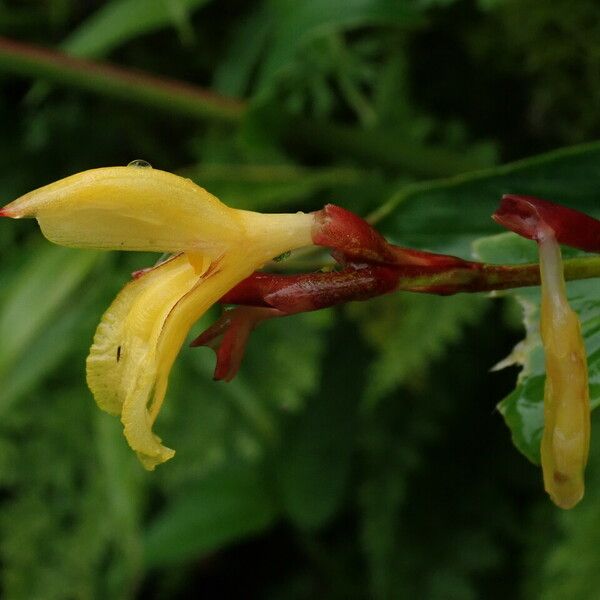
(140, 335)
(139, 338)
(566, 437)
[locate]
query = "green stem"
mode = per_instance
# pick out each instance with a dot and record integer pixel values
(370, 146)
(490, 278)
(111, 81)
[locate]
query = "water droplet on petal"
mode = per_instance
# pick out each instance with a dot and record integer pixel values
(142, 164)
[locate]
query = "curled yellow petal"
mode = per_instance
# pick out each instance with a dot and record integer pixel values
(139, 338)
(141, 334)
(123, 362)
(565, 441)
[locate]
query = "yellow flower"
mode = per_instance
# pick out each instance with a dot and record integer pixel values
(137, 341)
(566, 437)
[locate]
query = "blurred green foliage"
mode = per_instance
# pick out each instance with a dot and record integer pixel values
(358, 453)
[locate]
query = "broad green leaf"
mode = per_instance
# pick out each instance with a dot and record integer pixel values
(523, 408)
(118, 21)
(448, 215)
(226, 506)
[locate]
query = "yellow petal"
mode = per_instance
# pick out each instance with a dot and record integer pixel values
(565, 441)
(140, 336)
(122, 364)
(131, 208)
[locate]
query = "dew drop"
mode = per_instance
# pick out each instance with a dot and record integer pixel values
(142, 164)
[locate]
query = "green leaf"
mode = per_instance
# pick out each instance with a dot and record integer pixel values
(118, 21)
(232, 76)
(448, 215)
(38, 315)
(298, 23)
(523, 408)
(63, 526)
(562, 558)
(225, 506)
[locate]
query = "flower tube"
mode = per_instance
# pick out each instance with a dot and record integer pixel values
(566, 437)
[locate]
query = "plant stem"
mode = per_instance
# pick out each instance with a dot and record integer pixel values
(370, 146)
(290, 294)
(108, 80)
(489, 277)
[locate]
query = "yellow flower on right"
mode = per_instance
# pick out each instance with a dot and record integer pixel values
(566, 438)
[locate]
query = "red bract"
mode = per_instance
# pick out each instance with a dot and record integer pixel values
(311, 291)
(353, 240)
(266, 296)
(370, 266)
(229, 335)
(349, 235)
(529, 216)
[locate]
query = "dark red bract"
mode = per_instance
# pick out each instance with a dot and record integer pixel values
(528, 216)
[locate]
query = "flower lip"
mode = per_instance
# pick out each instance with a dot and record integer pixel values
(531, 217)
